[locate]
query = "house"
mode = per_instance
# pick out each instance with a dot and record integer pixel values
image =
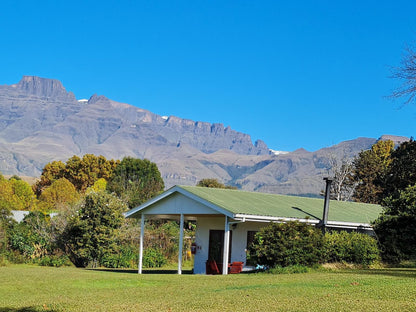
(228, 219)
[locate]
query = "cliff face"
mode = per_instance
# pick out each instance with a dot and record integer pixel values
(41, 122)
(39, 114)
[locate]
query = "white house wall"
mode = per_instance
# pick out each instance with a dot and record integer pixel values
(239, 239)
(177, 204)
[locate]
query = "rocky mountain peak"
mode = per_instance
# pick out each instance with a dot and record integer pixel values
(43, 88)
(396, 139)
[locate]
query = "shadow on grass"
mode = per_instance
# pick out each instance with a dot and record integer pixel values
(152, 271)
(25, 309)
(396, 272)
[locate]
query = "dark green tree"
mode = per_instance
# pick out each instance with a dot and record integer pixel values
(135, 181)
(91, 232)
(285, 244)
(402, 170)
(395, 228)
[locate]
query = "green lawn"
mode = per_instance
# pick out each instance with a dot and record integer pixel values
(69, 289)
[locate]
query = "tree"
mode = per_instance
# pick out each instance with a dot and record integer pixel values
(406, 74)
(81, 172)
(51, 172)
(84, 172)
(24, 194)
(61, 192)
(395, 228)
(90, 233)
(402, 170)
(17, 195)
(214, 183)
(98, 186)
(342, 186)
(136, 180)
(370, 170)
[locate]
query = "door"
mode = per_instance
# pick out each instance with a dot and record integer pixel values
(216, 246)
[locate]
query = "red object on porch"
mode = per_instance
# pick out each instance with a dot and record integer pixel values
(236, 267)
(211, 267)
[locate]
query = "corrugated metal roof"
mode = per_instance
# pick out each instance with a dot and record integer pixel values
(262, 204)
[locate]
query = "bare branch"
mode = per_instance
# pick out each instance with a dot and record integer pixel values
(406, 73)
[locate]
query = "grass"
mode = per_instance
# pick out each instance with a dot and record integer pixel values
(34, 288)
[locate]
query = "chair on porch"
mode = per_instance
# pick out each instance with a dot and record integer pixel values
(211, 267)
(236, 267)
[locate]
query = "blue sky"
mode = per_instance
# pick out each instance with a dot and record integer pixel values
(293, 73)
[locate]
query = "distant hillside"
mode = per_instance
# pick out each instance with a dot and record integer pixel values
(40, 122)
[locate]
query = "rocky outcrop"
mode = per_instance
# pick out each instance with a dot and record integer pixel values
(43, 88)
(40, 122)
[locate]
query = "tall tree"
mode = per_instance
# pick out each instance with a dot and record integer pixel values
(402, 170)
(370, 172)
(136, 180)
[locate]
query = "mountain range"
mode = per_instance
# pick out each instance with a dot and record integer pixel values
(40, 121)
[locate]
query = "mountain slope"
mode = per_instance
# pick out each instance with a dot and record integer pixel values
(40, 122)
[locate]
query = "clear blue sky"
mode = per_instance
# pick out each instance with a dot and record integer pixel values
(293, 73)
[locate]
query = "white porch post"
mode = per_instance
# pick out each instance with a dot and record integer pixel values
(141, 244)
(180, 244)
(226, 247)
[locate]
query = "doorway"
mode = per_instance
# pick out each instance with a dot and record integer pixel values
(216, 246)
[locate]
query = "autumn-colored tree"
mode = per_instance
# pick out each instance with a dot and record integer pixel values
(136, 180)
(16, 195)
(24, 194)
(99, 186)
(61, 192)
(370, 172)
(81, 172)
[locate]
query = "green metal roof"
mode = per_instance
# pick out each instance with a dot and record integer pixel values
(272, 205)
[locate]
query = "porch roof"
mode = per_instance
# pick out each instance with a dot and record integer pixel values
(253, 205)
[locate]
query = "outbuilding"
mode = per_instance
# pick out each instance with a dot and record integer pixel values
(226, 220)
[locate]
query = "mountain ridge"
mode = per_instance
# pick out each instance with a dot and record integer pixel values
(40, 122)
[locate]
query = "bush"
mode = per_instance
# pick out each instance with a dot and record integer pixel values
(55, 261)
(292, 269)
(351, 247)
(287, 244)
(153, 258)
(125, 258)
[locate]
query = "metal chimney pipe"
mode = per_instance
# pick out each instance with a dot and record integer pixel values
(324, 220)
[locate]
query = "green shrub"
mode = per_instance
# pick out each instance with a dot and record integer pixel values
(351, 247)
(292, 269)
(55, 261)
(287, 244)
(153, 258)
